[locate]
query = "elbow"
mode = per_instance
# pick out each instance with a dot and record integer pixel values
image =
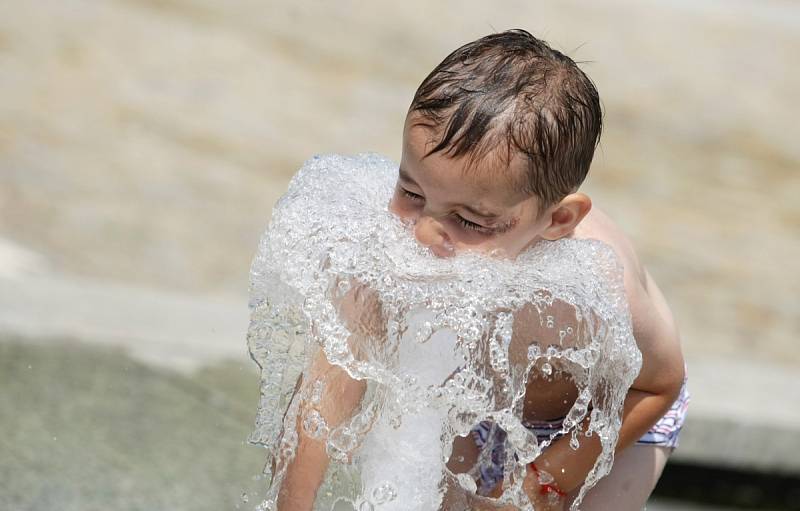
(674, 383)
(666, 381)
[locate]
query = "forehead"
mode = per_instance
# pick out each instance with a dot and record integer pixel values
(493, 174)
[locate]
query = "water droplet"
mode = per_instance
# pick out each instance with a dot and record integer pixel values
(545, 477)
(425, 332)
(244, 498)
(314, 425)
(316, 393)
(384, 493)
(467, 482)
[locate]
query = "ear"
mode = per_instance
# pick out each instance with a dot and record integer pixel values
(566, 215)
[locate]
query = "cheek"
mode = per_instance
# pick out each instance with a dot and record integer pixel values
(459, 234)
(402, 207)
(509, 242)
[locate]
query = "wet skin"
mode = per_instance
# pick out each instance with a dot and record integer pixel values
(453, 205)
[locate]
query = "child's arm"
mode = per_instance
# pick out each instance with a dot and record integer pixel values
(651, 395)
(341, 396)
(306, 471)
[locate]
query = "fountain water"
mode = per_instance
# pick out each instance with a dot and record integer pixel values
(384, 354)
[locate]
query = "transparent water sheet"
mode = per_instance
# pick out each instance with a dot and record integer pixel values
(341, 291)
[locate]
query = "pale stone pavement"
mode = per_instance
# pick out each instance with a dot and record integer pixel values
(725, 425)
(144, 142)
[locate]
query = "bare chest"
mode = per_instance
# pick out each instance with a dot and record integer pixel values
(551, 391)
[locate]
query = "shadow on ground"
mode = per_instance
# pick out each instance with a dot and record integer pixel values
(89, 429)
(737, 488)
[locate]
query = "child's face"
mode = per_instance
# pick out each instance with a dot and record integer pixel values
(452, 210)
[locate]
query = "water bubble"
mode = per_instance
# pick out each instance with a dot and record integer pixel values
(267, 505)
(316, 394)
(386, 492)
(425, 332)
(553, 498)
(244, 498)
(314, 425)
(547, 369)
(467, 482)
(545, 477)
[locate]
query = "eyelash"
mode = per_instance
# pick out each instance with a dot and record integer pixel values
(472, 226)
(466, 224)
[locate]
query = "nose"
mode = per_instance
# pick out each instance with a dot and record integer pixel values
(431, 234)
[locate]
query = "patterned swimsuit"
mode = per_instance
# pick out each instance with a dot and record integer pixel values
(488, 435)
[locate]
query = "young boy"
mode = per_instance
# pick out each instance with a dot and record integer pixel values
(497, 140)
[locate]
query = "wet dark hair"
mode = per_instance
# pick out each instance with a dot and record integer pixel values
(512, 88)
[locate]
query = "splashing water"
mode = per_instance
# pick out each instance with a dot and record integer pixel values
(344, 302)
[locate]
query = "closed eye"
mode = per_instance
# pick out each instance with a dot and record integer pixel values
(463, 222)
(472, 226)
(412, 195)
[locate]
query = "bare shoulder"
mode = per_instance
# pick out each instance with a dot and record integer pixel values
(653, 324)
(598, 225)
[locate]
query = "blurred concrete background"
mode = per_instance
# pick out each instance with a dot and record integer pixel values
(144, 142)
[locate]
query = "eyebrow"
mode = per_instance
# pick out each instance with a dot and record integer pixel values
(483, 214)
